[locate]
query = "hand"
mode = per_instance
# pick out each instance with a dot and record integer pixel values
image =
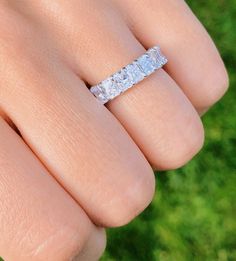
(66, 161)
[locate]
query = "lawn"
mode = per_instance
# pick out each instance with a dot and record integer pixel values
(193, 216)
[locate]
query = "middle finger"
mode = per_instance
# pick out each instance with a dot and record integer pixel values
(77, 139)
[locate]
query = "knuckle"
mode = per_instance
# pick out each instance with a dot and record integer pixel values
(183, 150)
(61, 236)
(188, 153)
(216, 85)
(221, 85)
(101, 242)
(94, 247)
(131, 200)
(63, 244)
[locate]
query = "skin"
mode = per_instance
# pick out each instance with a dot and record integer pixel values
(69, 165)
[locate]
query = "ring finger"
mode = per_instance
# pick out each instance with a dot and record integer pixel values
(156, 113)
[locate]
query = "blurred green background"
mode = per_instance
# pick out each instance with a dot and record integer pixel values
(193, 216)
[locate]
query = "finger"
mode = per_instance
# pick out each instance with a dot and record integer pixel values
(94, 248)
(156, 113)
(194, 62)
(76, 138)
(161, 120)
(38, 220)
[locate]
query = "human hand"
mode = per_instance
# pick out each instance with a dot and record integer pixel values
(78, 163)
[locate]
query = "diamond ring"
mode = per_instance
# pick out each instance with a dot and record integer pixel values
(129, 75)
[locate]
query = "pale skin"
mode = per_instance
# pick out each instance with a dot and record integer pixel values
(78, 166)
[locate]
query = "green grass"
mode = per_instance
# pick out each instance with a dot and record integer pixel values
(193, 214)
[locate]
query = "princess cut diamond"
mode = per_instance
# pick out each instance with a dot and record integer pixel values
(158, 59)
(109, 88)
(122, 79)
(130, 75)
(135, 73)
(97, 92)
(146, 64)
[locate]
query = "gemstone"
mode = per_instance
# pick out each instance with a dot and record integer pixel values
(123, 80)
(154, 55)
(109, 88)
(134, 73)
(158, 59)
(146, 64)
(96, 91)
(163, 61)
(130, 75)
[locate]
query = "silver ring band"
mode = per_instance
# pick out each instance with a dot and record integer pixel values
(129, 75)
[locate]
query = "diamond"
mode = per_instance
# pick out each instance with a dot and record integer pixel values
(130, 75)
(163, 61)
(109, 88)
(154, 55)
(96, 91)
(157, 57)
(123, 80)
(135, 73)
(146, 64)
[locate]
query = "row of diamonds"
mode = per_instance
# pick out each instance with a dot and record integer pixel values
(130, 75)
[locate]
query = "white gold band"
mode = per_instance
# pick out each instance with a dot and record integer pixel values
(129, 75)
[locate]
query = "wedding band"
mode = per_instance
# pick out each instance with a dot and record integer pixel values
(129, 75)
